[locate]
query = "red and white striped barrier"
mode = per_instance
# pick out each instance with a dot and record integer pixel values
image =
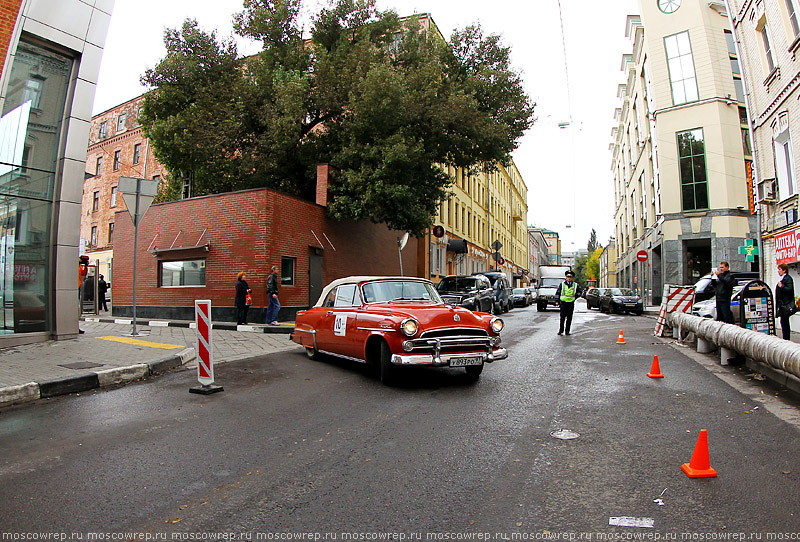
(205, 353)
(675, 299)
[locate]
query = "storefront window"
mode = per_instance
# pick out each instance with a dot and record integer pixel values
(182, 273)
(30, 131)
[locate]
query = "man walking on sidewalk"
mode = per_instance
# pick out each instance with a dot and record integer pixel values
(272, 294)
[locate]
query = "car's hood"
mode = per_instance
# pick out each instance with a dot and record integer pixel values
(428, 315)
(547, 289)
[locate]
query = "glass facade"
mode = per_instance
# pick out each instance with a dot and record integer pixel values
(30, 132)
(692, 163)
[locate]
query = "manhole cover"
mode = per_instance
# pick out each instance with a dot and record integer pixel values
(564, 434)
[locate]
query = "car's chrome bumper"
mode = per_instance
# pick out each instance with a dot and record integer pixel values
(443, 360)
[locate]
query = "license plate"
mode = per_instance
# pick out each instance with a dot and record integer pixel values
(630, 304)
(463, 362)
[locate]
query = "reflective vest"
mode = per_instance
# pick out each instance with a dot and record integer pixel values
(568, 292)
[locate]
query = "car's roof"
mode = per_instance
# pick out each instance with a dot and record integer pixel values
(355, 279)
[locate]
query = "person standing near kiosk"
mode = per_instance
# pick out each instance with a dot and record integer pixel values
(784, 300)
(724, 281)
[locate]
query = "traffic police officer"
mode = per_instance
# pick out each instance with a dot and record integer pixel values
(566, 293)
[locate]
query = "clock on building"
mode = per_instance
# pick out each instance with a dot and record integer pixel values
(668, 6)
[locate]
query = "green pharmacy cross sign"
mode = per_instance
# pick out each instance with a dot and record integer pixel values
(749, 249)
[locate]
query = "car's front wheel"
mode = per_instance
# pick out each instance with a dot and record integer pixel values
(474, 371)
(388, 369)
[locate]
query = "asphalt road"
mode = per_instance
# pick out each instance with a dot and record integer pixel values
(300, 446)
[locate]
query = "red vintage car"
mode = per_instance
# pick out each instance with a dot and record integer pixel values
(392, 322)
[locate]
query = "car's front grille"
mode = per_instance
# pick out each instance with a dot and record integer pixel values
(451, 340)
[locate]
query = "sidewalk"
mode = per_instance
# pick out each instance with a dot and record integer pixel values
(106, 355)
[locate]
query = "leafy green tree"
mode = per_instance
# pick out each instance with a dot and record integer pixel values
(593, 264)
(376, 96)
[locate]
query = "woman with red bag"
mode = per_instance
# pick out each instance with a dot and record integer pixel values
(242, 300)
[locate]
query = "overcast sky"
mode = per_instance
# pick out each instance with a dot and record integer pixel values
(567, 170)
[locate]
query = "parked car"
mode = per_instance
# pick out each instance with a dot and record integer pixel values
(503, 301)
(396, 322)
(473, 292)
(708, 307)
(704, 288)
(593, 297)
(621, 300)
(521, 297)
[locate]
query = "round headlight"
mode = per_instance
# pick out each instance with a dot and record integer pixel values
(409, 327)
(497, 325)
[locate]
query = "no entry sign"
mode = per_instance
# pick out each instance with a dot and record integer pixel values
(641, 255)
(205, 360)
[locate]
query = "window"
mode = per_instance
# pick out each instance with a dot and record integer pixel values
(110, 233)
(287, 271)
(33, 92)
(157, 179)
(182, 273)
(95, 201)
(98, 168)
(121, 122)
(767, 49)
(692, 165)
(93, 240)
(116, 160)
(791, 10)
(102, 132)
(681, 68)
(137, 151)
(113, 196)
(784, 157)
(345, 296)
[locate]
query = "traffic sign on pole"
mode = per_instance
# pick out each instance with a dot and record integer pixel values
(205, 354)
(641, 255)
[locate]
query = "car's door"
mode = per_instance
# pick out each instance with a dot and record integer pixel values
(339, 322)
(486, 294)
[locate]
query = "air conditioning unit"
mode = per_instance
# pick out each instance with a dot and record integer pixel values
(767, 191)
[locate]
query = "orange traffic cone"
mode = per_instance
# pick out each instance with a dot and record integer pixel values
(621, 339)
(700, 466)
(655, 370)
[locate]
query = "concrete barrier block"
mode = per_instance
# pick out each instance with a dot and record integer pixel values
(16, 394)
(118, 375)
(705, 346)
(725, 355)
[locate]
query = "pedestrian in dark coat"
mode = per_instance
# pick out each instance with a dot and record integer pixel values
(242, 289)
(724, 282)
(102, 289)
(784, 295)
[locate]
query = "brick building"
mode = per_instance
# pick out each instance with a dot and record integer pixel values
(117, 148)
(193, 248)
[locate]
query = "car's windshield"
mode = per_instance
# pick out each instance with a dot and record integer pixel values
(622, 291)
(520, 291)
(551, 282)
(399, 290)
(450, 284)
(702, 284)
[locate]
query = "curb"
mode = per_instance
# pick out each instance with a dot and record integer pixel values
(94, 380)
(227, 326)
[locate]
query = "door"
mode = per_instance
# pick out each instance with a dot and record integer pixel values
(314, 278)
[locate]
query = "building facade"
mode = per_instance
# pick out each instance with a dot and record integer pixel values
(117, 148)
(679, 160)
(608, 265)
(50, 68)
(768, 38)
(485, 209)
(537, 250)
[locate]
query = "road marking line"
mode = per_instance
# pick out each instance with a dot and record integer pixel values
(139, 342)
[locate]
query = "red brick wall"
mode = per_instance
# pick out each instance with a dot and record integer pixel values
(9, 11)
(248, 231)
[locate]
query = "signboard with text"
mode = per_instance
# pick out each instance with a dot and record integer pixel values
(786, 246)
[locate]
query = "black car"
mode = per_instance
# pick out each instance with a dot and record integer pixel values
(621, 300)
(473, 292)
(593, 297)
(503, 300)
(522, 297)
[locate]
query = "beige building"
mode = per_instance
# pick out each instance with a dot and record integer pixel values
(484, 209)
(608, 266)
(768, 39)
(678, 158)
